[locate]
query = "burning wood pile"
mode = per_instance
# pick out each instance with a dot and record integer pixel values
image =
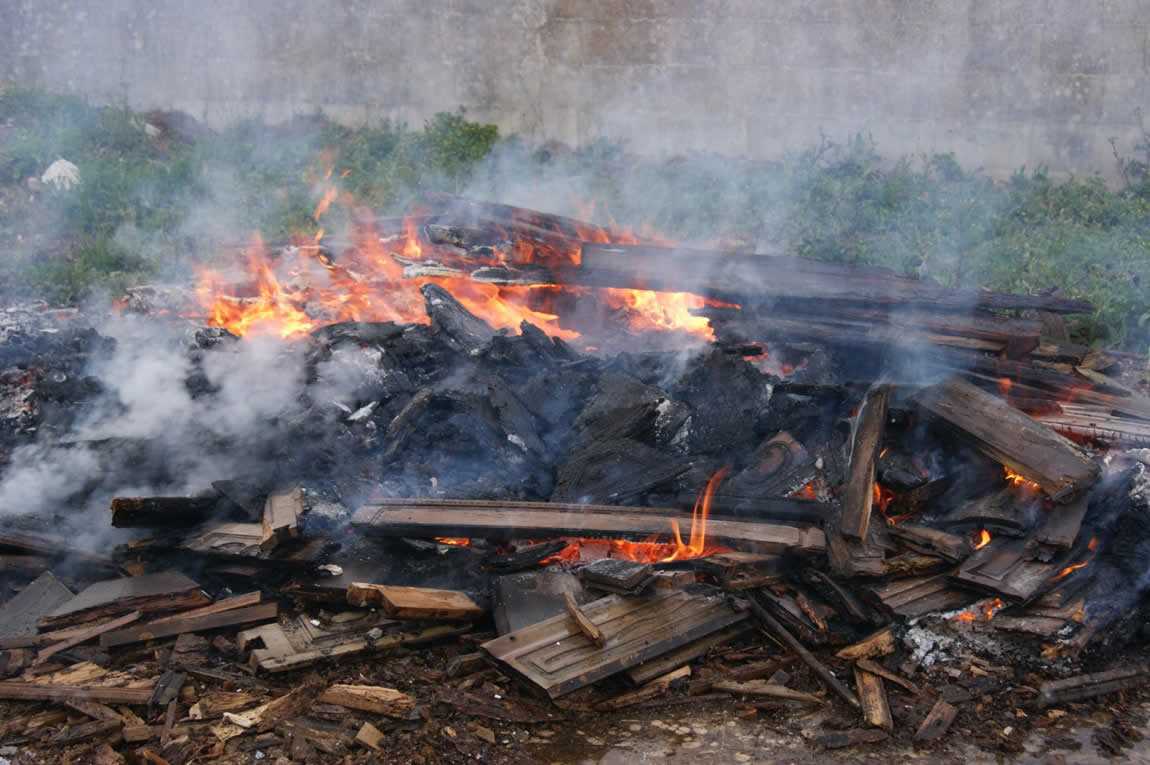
(851, 492)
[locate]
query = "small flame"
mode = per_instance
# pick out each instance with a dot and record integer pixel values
(1004, 385)
(983, 539)
(1092, 546)
(807, 492)
(983, 611)
(454, 541)
(1018, 480)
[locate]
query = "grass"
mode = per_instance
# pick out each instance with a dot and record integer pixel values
(148, 202)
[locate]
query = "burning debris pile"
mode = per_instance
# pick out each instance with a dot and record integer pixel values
(847, 491)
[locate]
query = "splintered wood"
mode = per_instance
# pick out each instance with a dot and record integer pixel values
(415, 602)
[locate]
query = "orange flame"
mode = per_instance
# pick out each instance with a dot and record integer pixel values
(454, 541)
(983, 539)
(1019, 480)
(1092, 546)
(984, 611)
(654, 551)
(370, 284)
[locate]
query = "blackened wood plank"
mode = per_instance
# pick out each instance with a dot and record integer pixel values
(161, 512)
(151, 593)
(1088, 686)
(1012, 438)
(508, 520)
(179, 626)
(763, 277)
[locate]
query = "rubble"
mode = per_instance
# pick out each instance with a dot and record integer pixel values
(501, 527)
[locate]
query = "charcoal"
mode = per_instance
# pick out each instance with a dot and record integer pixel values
(728, 398)
(615, 472)
(461, 329)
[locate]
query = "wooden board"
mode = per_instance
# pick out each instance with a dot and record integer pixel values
(657, 667)
(151, 593)
(916, 596)
(866, 440)
(180, 626)
(38, 692)
(557, 658)
(19, 616)
(506, 520)
(281, 516)
(1012, 438)
(1059, 525)
(1005, 567)
(161, 512)
(415, 602)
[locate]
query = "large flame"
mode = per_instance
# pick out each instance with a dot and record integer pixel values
(292, 294)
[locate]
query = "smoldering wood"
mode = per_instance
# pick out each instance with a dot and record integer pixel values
(556, 657)
(1060, 524)
(504, 520)
(845, 602)
(1010, 510)
(1012, 438)
(760, 277)
(779, 631)
(916, 596)
(281, 517)
(616, 575)
(1005, 567)
(787, 611)
(1091, 685)
(461, 329)
(858, 494)
(740, 570)
(930, 541)
(161, 512)
(525, 557)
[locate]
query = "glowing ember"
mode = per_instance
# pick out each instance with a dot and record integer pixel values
(454, 541)
(1092, 546)
(1004, 385)
(981, 611)
(807, 492)
(982, 539)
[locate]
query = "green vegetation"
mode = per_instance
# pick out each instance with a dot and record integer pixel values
(151, 201)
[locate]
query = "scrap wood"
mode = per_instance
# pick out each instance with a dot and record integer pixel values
(872, 695)
(161, 512)
(763, 688)
(94, 709)
(281, 515)
(84, 731)
(582, 621)
(369, 698)
(877, 669)
(661, 665)
(465, 664)
(937, 722)
(858, 493)
(170, 627)
(84, 635)
(778, 630)
(20, 614)
(151, 593)
(415, 602)
(218, 607)
(495, 706)
(1090, 685)
(880, 643)
(16, 691)
(370, 736)
(656, 687)
(559, 659)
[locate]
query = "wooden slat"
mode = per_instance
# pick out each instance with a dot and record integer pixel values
(1012, 438)
(220, 606)
(84, 635)
(415, 602)
(35, 692)
(558, 658)
(506, 520)
(858, 495)
(872, 696)
(231, 618)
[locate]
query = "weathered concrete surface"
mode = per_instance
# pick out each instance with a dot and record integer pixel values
(1001, 82)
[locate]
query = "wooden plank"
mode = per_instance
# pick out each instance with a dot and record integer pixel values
(937, 722)
(161, 512)
(763, 277)
(369, 698)
(167, 591)
(923, 539)
(866, 441)
(1004, 567)
(880, 643)
(763, 688)
(282, 512)
(661, 665)
(218, 607)
(20, 615)
(1060, 524)
(916, 596)
(35, 692)
(872, 696)
(508, 521)
(877, 669)
(415, 602)
(656, 687)
(85, 635)
(155, 630)
(559, 659)
(582, 621)
(1092, 685)
(1010, 437)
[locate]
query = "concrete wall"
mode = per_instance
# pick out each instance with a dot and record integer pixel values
(1000, 82)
